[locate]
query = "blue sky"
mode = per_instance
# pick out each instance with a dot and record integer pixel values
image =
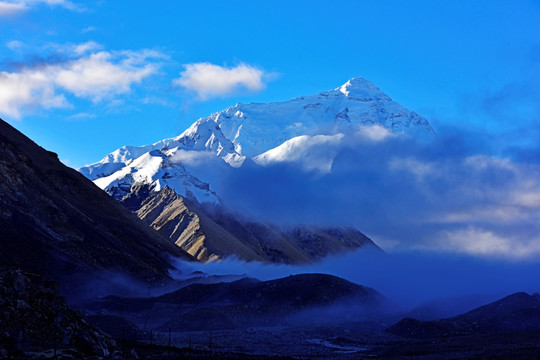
(465, 64)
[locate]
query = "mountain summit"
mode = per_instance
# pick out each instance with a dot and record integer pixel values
(360, 87)
(247, 131)
(177, 185)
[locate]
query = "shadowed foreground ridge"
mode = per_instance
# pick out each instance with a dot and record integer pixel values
(297, 299)
(34, 318)
(57, 223)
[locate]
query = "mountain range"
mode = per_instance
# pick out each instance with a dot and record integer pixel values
(248, 302)
(56, 224)
(260, 133)
(176, 185)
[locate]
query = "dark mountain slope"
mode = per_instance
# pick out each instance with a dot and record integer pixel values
(517, 312)
(446, 307)
(298, 291)
(35, 318)
(55, 222)
(305, 298)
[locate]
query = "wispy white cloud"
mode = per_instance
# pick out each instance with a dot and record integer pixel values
(491, 189)
(480, 242)
(484, 162)
(66, 50)
(86, 47)
(70, 5)
(11, 8)
(81, 116)
(210, 81)
(375, 133)
(15, 45)
(488, 205)
(88, 29)
(73, 50)
(14, 7)
(192, 158)
(156, 100)
(419, 169)
(102, 74)
(91, 75)
(29, 89)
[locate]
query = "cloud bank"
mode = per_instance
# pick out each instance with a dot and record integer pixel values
(444, 196)
(406, 278)
(90, 74)
(210, 81)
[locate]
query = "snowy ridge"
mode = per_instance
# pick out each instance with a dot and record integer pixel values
(256, 128)
(159, 170)
(306, 130)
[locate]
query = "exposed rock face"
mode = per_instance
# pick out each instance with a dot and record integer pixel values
(168, 213)
(55, 222)
(35, 319)
(210, 234)
(517, 312)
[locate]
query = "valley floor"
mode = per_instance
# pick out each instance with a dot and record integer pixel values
(343, 341)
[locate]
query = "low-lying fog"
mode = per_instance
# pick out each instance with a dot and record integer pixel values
(406, 278)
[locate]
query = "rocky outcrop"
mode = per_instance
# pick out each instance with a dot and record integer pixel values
(172, 216)
(35, 321)
(208, 233)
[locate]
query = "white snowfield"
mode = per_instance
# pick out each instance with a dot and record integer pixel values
(306, 131)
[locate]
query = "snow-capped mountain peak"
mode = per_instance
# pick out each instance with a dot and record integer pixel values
(360, 87)
(289, 131)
